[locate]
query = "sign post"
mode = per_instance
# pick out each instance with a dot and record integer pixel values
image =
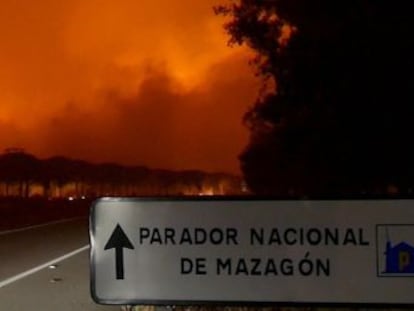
(192, 251)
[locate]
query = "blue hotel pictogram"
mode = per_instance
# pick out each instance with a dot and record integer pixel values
(399, 258)
(395, 250)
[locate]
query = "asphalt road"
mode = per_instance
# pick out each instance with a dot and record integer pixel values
(27, 282)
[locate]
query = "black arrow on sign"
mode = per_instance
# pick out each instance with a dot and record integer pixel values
(119, 241)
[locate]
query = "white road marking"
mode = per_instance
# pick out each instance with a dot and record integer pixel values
(41, 267)
(39, 226)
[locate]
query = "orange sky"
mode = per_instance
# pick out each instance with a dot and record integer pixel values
(147, 82)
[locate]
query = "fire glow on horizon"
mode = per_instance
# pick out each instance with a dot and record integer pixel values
(135, 82)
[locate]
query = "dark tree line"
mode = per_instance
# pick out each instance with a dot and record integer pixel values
(336, 115)
(21, 172)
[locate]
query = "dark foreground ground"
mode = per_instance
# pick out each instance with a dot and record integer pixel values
(18, 212)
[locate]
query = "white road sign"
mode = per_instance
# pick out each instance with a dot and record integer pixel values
(160, 251)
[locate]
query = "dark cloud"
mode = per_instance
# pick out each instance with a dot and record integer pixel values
(123, 81)
(162, 125)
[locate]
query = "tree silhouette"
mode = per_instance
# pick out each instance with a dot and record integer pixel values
(334, 117)
(60, 176)
(56, 174)
(21, 169)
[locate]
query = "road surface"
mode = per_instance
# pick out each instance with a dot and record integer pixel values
(28, 281)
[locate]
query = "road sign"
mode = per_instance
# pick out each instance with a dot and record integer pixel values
(163, 251)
